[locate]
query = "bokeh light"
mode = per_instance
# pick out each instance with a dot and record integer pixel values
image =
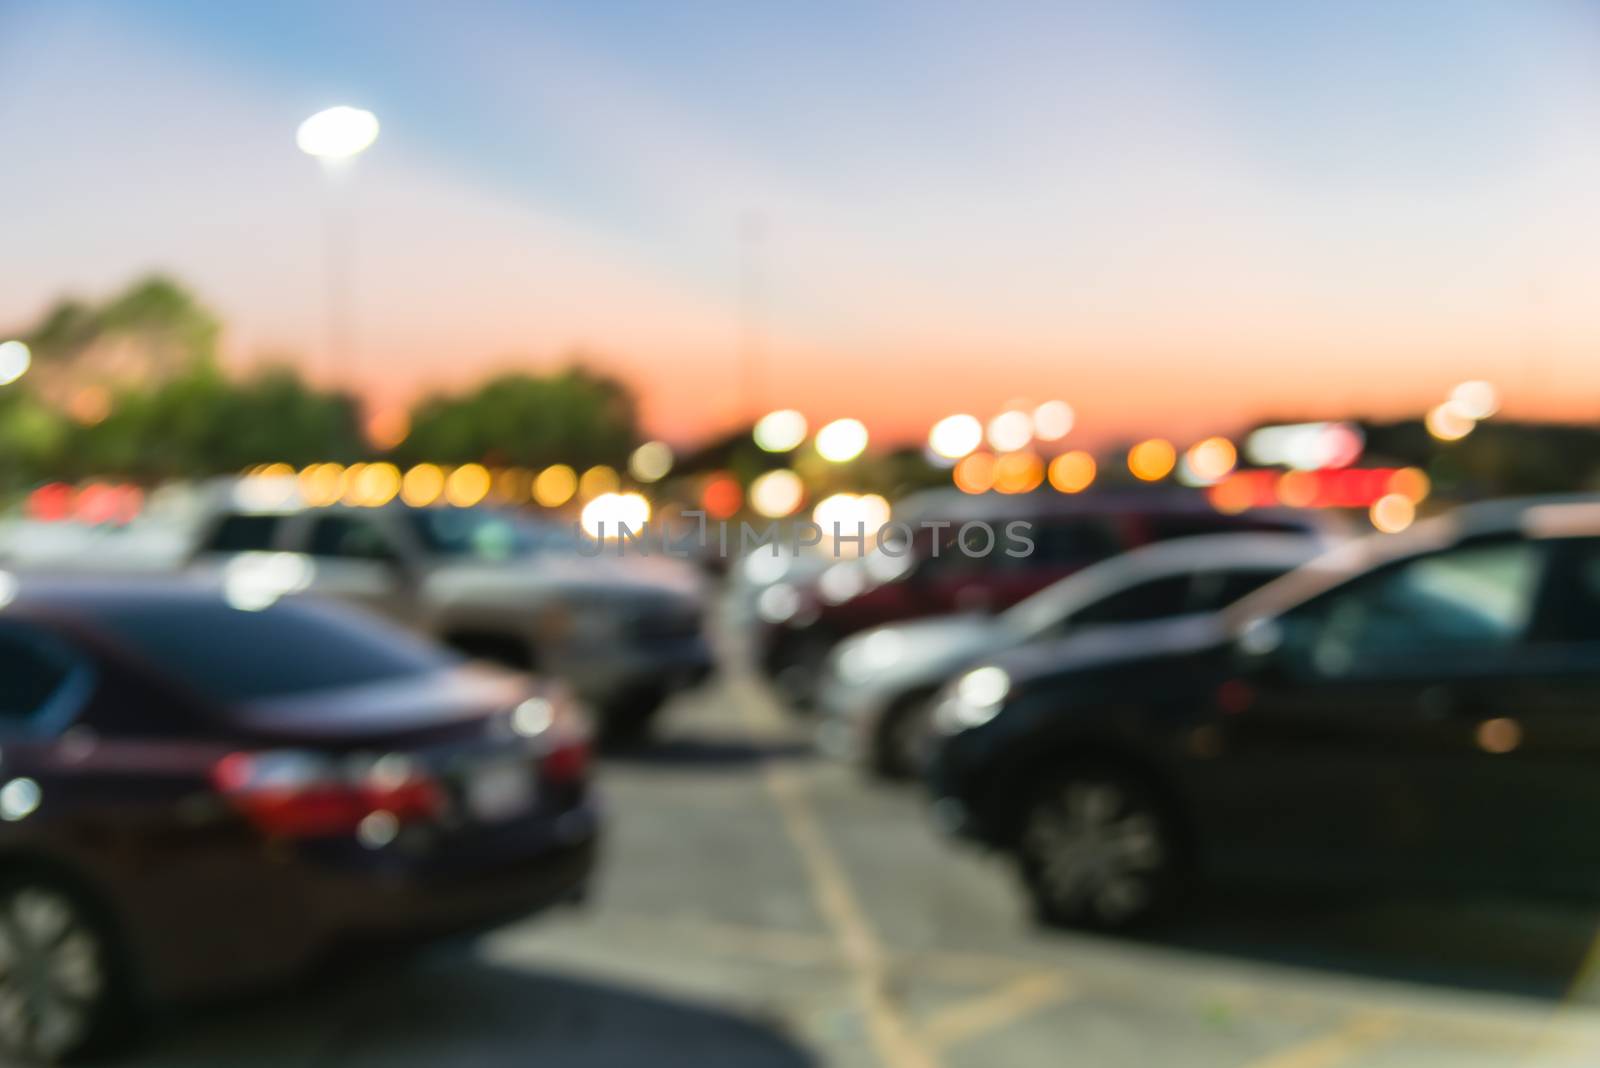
(777, 493)
(1475, 400)
(467, 485)
(422, 485)
(975, 474)
(1152, 460)
(15, 359)
(1393, 513)
(955, 436)
(842, 440)
(1208, 461)
(1072, 472)
(1447, 423)
(555, 486)
(722, 496)
(650, 462)
(1018, 472)
(607, 514)
(1053, 420)
(780, 431)
(1411, 483)
(1010, 430)
(599, 479)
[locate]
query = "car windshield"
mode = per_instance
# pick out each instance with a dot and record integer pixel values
(292, 647)
(486, 534)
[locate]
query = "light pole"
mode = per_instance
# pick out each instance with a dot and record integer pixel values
(335, 137)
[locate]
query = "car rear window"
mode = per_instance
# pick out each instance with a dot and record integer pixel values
(291, 647)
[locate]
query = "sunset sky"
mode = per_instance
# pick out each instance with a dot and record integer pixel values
(1176, 216)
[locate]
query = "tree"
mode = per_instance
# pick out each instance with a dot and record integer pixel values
(575, 416)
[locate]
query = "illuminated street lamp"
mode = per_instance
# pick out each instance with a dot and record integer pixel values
(337, 133)
(335, 137)
(15, 359)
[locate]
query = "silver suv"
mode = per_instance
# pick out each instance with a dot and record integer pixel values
(494, 584)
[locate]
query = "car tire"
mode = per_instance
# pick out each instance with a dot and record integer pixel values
(1098, 850)
(64, 992)
(901, 742)
(626, 721)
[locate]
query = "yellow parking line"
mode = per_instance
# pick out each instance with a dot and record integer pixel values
(989, 1012)
(1359, 1033)
(892, 1038)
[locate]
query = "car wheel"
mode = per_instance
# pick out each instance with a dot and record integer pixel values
(61, 990)
(1097, 850)
(900, 745)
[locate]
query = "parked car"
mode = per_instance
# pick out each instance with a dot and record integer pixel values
(934, 576)
(877, 686)
(197, 797)
(625, 634)
(1415, 709)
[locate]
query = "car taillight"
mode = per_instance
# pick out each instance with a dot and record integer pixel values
(566, 761)
(303, 795)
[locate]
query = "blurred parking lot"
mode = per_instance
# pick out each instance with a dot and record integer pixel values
(760, 908)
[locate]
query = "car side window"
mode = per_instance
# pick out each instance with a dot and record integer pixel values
(1212, 591)
(242, 533)
(34, 668)
(1154, 599)
(350, 537)
(1472, 603)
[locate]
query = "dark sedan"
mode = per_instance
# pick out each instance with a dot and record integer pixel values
(1420, 710)
(196, 796)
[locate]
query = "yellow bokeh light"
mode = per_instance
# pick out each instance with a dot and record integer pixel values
(1393, 513)
(467, 485)
(322, 484)
(598, 480)
(1153, 460)
(374, 486)
(422, 485)
(1072, 472)
(1411, 483)
(975, 474)
(555, 486)
(1447, 423)
(1018, 472)
(1210, 460)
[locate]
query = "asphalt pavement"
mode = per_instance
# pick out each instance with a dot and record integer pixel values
(761, 907)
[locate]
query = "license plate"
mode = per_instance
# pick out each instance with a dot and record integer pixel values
(500, 791)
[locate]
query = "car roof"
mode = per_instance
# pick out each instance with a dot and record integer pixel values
(956, 506)
(89, 594)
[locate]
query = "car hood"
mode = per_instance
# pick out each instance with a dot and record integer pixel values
(1113, 647)
(904, 654)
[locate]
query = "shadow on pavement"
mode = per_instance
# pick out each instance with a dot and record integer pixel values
(450, 1008)
(1534, 949)
(702, 752)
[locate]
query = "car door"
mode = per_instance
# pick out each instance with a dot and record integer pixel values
(358, 559)
(1534, 781)
(1349, 750)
